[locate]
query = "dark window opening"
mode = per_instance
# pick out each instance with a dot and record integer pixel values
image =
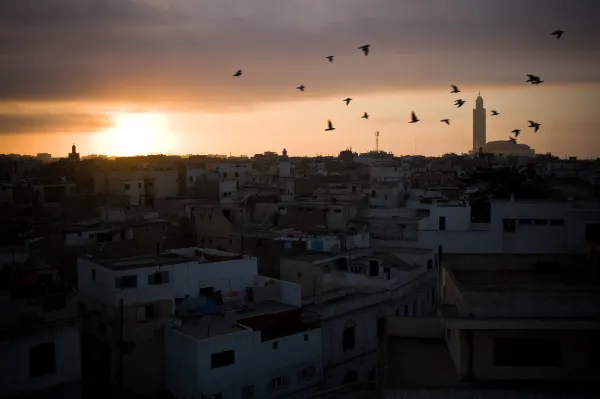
(380, 327)
(348, 339)
(222, 359)
(557, 222)
(305, 337)
(386, 271)
(540, 222)
(42, 360)
(126, 282)
(373, 268)
(442, 223)
(158, 278)
(508, 225)
(525, 221)
(275, 345)
(429, 264)
(94, 274)
(405, 310)
(536, 352)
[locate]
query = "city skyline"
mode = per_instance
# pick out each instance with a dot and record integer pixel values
(154, 84)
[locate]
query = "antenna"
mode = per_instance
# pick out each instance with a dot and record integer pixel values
(377, 141)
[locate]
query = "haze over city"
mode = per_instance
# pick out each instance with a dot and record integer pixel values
(132, 77)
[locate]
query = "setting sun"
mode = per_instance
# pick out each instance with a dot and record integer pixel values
(137, 133)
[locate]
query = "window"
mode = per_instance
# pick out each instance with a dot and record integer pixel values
(442, 223)
(42, 360)
(448, 334)
(158, 278)
(191, 179)
(525, 221)
(372, 375)
(94, 274)
(557, 222)
(380, 327)
(508, 225)
(222, 359)
(236, 174)
(144, 313)
(126, 282)
(348, 339)
(248, 392)
(277, 382)
(305, 337)
(306, 373)
(386, 271)
(429, 264)
(540, 222)
(373, 268)
(275, 345)
(532, 352)
(139, 185)
(127, 186)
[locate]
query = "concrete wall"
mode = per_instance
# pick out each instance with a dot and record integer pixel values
(293, 354)
(14, 363)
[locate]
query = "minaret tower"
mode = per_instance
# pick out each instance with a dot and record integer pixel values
(479, 130)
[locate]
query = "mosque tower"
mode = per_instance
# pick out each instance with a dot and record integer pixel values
(479, 131)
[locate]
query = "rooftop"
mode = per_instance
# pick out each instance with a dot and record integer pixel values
(135, 262)
(225, 320)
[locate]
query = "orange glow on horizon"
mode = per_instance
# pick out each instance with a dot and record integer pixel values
(135, 134)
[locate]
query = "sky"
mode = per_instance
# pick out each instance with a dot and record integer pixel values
(125, 77)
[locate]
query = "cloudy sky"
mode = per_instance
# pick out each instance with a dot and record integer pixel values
(137, 76)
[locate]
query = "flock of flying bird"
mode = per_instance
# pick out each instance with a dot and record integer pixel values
(532, 79)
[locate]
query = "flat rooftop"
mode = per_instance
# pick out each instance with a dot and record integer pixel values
(524, 280)
(135, 262)
(225, 320)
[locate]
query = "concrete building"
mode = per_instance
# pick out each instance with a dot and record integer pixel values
(39, 332)
(350, 293)
(507, 324)
(128, 301)
(261, 346)
(509, 226)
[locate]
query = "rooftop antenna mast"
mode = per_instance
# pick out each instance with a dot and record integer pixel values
(377, 141)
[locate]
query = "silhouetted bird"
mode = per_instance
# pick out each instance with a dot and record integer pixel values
(347, 100)
(512, 140)
(494, 113)
(238, 73)
(459, 103)
(446, 121)
(365, 115)
(558, 33)
(534, 125)
(365, 48)
(413, 117)
(329, 126)
(454, 89)
(534, 80)
(330, 58)
(516, 132)
(301, 87)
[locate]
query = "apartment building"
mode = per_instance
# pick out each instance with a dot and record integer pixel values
(507, 324)
(39, 332)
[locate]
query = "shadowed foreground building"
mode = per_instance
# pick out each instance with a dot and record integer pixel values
(39, 333)
(516, 327)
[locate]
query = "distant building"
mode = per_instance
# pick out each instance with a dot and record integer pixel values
(74, 155)
(480, 145)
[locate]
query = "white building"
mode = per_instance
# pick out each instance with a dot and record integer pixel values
(515, 227)
(149, 290)
(351, 294)
(263, 348)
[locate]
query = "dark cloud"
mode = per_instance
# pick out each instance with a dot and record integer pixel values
(52, 123)
(181, 53)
